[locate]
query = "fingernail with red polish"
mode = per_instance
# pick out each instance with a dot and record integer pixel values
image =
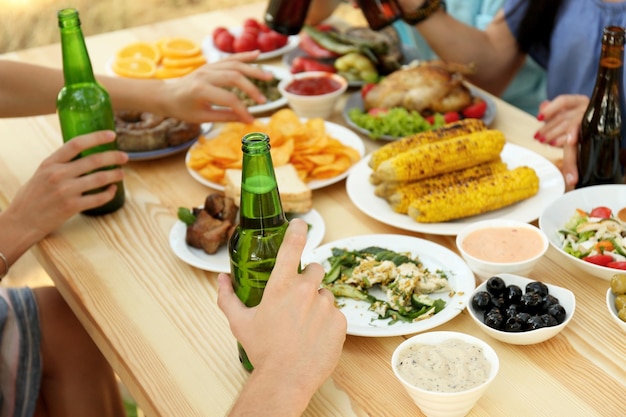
(540, 117)
(536, 135)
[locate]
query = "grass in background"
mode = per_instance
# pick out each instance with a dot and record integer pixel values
(30, 23)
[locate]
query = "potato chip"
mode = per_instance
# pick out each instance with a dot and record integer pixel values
(305, 144)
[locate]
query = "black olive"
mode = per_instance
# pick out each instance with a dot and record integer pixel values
(537, 286)
(558, 312)
(494, 319)
(512, 294)
(511, 310)
(514, 324)
(495, 285)
(548, 300)
(481, 300)
(524, 318)
(549, 320)
(531, 302)
(535, 322)
(498, 301)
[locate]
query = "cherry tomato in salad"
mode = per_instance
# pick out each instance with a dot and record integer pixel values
(602, 260)
(617, 264)
(451, 116)
(476, 110)
(601, 212)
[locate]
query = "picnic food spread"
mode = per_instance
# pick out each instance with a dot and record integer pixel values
(145, 131)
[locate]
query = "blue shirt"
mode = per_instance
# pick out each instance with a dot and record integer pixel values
(575, 46)
(526, 91)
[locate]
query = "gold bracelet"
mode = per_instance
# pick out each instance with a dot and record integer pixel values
(423, 12)
(6, 265)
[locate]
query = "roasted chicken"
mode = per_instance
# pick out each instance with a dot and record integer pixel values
(429, 87)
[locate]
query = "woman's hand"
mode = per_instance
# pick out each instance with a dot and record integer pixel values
(201, 96)
(561, 117)
(56, 190)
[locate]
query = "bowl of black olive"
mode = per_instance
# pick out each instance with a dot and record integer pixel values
(519, 310)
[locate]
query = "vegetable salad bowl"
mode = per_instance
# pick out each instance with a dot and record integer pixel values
(559, 212)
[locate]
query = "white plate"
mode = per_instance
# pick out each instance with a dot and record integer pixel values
(220, 262)
(213, 54)
(342, 134)
(355, 101)
(362, 322)
(172, 150)
(551, 186)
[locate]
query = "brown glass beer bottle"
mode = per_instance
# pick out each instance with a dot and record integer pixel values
(604, 123)
(380, 13)
(286, 16)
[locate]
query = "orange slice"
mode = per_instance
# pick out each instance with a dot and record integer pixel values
(194, 61)
(140, 49)
(172, 72)
(180, 48)
(135, 67)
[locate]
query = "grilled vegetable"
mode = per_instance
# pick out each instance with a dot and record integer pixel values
(475, 197)
(451, 130)
(405, 194)
(443, 156)
(354, 66)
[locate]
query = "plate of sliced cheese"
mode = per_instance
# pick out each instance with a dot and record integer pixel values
(363, 194)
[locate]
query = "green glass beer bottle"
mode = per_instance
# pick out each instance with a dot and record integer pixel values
(83, 105)
(254, 244)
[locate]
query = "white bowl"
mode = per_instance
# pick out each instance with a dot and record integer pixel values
(308, 106)
(529, 337)
(563, 208)
(610, 304)
(484, 268)
(446, 404)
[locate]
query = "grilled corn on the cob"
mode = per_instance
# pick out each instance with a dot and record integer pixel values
(401, 199)
(444, 156)
(447, 131)
(475, 197)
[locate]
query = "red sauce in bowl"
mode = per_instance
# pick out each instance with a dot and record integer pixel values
(313, 86)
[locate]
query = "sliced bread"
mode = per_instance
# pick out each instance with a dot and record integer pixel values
(295, 195)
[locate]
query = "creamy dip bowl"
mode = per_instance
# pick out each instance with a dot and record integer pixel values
(498, 246)
(459, 369)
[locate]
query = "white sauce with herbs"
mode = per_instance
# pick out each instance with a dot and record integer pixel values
(451, 366)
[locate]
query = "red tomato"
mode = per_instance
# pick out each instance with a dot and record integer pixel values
(430, 119)
(451, 116)
(377, 111)
(225, 42)
(602, 260)
(251, 22)
(279, 38)
(217, 32)
(601, 212)
(263, 27)
(617, 265)
(476, 110)
(266, 42)
(245, 42)
(366, 89)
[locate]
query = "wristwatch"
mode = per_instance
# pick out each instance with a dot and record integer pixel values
(423, 12)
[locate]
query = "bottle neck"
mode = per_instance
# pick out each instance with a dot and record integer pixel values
(260, 205)
(76, 63)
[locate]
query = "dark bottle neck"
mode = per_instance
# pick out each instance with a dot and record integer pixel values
(76, 64)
